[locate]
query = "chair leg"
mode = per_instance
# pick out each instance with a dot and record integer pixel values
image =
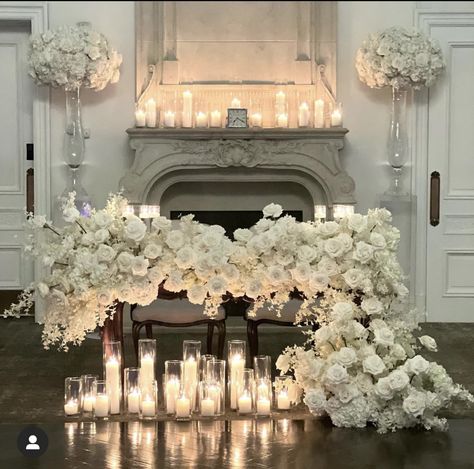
(252, 337)
(210, 335)
(149, 331)
(221, 328)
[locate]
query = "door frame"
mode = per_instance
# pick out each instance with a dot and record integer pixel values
(36, 13)
(424, 20)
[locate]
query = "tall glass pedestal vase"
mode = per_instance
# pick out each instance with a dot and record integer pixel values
(74, 149)
(397, 145)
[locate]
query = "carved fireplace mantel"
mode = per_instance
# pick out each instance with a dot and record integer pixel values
(309, 157)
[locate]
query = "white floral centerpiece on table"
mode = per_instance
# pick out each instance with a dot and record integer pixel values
(360, 367)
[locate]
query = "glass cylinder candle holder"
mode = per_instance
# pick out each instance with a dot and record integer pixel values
(216, 383)
(168, 111)
(262, 365)
(112, 354)
(256, 114)
(215, 119)
(132, 390)
(203, 368)
(246, 396)
(207, 399)
(88, 395)
(263, 397)
(201, 119)
(173, 377)
(72, 396)
(319, 114)
(183, 406)
(147, 362)
(149, 402)
(336, 115)
(236, 363)
(340, 211)
(102, 401)
(320, 212)
(304, 114)
(282, 394)
(191, 358)
(187, 112)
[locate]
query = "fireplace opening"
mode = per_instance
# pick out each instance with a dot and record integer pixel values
(230, 220)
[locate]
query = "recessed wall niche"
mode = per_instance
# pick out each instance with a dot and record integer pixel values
(231, 42)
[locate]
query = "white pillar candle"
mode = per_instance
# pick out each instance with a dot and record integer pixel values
(169, 119)
(71, 408)
(183, 407)
(336, 118)
(280, 103)
(216, 120)
(147, 362)
(283, 401)
(172, 393)
(187, 109)
(150, 111)
(237, 366)
(112, 373)
(263, 406)
(282, 120)
(215, 394)
(148, 407)
(140, 118)
(201, 119)
(133, 400)
(319, 213)
(245, 404)
(235, 104)
(256, 119)
(101, 405)
(208, 407)
(303, 115)
(319, 114)
(88, 403)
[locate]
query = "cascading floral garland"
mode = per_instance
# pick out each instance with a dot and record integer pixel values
(360, 366)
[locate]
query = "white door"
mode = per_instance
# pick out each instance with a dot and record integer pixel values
(450, 244)
(16, 102)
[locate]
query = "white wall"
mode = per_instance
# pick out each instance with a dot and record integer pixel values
(110, 112)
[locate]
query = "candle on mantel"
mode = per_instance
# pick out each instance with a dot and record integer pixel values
(101, 407)
(216, 120)
(150, 113)
(336, 118)
(140, 118)
(148, 407)
(263, 406)
(89, 401)
(208, 407)
(187, 109)
(235, 103)
(319, 114)
(183, 407)
(201, 119)
(283, 401)
(172, 393)
(256, 119)
(245, 404)
(133, 402)
(169, 119)
(237, 365)
(112, 373)
(71, 407)
(282, 120)
(303, 115)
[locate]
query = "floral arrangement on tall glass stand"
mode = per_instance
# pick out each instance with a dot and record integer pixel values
(362, 366)
(404, 60)
(72, 57)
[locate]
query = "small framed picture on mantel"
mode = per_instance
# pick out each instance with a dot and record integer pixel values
(237, 118)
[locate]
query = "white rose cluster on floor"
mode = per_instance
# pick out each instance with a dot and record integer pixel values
(361, 366)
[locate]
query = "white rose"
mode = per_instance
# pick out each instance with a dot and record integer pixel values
(160, 223)
(346, 241)
(231, 272)
(329, 228)
(398, 380)
(152, 251)
(373, 364)
(70, 214)
(175, 239)
(328, 266)
(398, 352)
(217, 285)
(316, 401)
(43, 289)
(272, 211)
(253, 288)
(283, 363)
(301, 272)
(105, 253)
(306, 253)
(346, 356)
(243, 235)
(155, 275)
(185, 257)
(414, 404)
(135, 229)
(372, 306)
(323, 334)
(383, 389)
(140, 266)
(429, 343)
(318, 281)
(102, 219)
(197, 294)
(353, 278)
(334, 247)
(357, 222)
(276, 275)
(336, 374)
(383, 336)
(363, 252)
(102, 235)
(377, 240)
(417, 364)
(364, 383)
(104, 297)
(124, 261)
(346, 392)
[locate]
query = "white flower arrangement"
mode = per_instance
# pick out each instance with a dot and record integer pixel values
(399, 58)
(73, 56)
(361, 366)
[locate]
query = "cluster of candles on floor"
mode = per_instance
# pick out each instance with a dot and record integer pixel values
(309, 114)
(198, 384)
